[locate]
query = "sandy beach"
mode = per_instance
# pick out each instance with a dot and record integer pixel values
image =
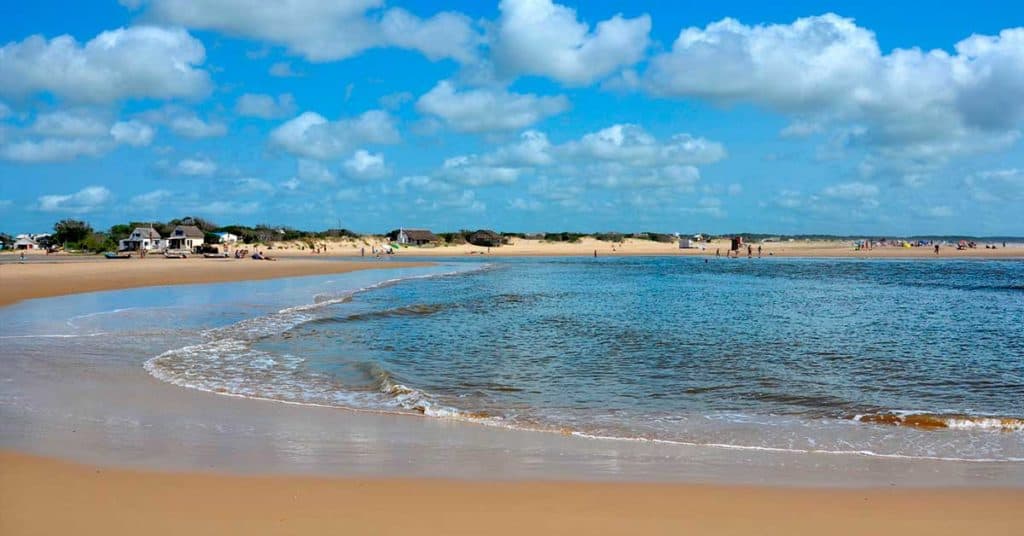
(43, 276)
(43, 496)
(49, 496)
(520, 247)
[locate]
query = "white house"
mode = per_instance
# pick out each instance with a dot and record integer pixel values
(142, 238)
(416, 237)
(187, 237)
(227, 238)
(24, 242)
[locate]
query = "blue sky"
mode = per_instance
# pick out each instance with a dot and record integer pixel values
(875, 118)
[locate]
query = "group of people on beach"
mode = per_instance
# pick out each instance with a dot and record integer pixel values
(735, 253)
(736, 247)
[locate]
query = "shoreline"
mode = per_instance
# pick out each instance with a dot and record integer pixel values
(362, 249)
(49, 276)
(97, 498)
(93, 499)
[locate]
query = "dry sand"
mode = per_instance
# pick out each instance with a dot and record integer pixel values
(587, 247)
(42, 496)
(67, 275)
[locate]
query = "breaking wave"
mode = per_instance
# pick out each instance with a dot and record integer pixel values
(227, 363)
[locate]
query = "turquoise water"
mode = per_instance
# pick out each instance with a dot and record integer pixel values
(877, 358)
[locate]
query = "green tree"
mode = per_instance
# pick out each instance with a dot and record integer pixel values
(204, 225)
(71, 231)
(120, 231)
(97, 243)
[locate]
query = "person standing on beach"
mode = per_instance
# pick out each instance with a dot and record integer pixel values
(936, 249)
(595, 253)
(759, 251)
(718, 252)
(750, 251)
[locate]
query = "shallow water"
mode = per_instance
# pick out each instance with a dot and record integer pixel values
(894, 359)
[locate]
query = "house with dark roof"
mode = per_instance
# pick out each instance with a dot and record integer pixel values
(413, 237)
(186, 237)
(142, 238)
(485, 238)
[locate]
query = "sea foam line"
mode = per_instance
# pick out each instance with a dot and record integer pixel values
(785, 450)
(55, 335)
(443, 412)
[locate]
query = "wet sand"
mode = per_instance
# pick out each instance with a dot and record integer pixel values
(42, 276)
(43, 496)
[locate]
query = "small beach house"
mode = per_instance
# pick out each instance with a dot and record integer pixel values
(24, 242)
(485, 238)
(141, 239)
(186, 237)
(413, 237)
(227, 238)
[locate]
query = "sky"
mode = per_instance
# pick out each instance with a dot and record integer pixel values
(876, 118)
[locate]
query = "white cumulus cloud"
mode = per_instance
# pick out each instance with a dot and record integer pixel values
(311, 135)
(134, 62)
(88, 199)
(540, 37)
(68, 134)
(911, 110)
(322, 30)
(69, 124)
(52, 149)
(630, 143)
(620, 156)
(365, 165)
(482, 110)
(184, 122)
(134, 133)
(191, 126)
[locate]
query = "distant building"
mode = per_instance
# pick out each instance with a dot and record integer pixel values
(688, 243)
(227, 238)
(24, 242)
(141, 239)
(413, 237)
(485, 238)
(186, 237)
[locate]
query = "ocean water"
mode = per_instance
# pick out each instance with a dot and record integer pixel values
(893, 359)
